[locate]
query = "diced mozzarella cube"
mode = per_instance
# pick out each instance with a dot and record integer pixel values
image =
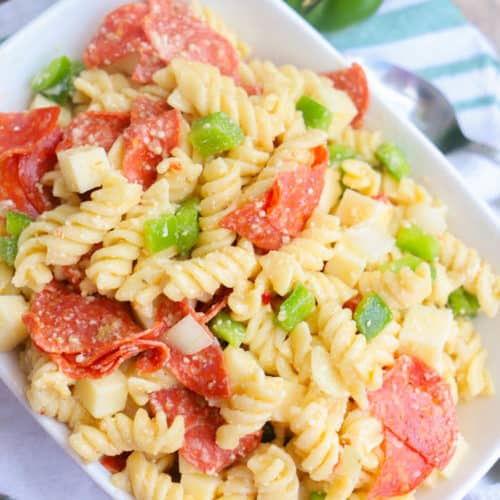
(346, 264)
(431, 219)
(103, 396)
(355, 208)
(83, 167)
(369, 241)
(12, 329)
(424, 333)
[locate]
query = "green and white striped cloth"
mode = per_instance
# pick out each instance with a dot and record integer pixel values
(432, 38)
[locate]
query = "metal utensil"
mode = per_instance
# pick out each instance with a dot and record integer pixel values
(426, 106)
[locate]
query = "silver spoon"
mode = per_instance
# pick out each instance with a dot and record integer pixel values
(426, 106)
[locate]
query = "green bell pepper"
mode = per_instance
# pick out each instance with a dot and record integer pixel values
(411, 261)
(317, 495)
(226, 328)
(188, 228)
(372, 315)
(393, 159)
(16, 223)
(463, 303)
(414, 240)
(160, 233)
(339, 153)
(315, 114)
(8, 249)
(296, 308)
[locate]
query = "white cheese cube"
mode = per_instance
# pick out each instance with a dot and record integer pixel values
(345, 264)
(41, 101)
(424, 334)
(103, 396)
(369, 241)
(355, 208)
(83, 167)
(12, 329)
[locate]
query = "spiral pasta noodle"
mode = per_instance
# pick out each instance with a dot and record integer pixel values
(361, 177)
(120, 433)
(110, 265)
(220, 189)
(274, 473)
(237, 484)
(404, 192)
(250, 160)
(140, 386)
(364, 142)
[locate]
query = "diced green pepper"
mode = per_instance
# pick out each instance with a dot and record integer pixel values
(188, 228)
(317, 495)
(226, 328)
(77, 67)
(315, 114)
(296, 308)
(463, 303)
(339, 152)
(16, 223)
(414, 240)
(393, 159)
(411, 261)
(160, 233)
(8, 249)
(372, 315)
(268, 433)
(214, 134)
(60, 92)
(51, 75)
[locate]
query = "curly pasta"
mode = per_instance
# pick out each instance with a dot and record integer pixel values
(88, 226)
(361, 177)
(202, 89)
(404, 192)
(399, 290)
(237, 484)
(141, 385)
(364, 142)
(245, 300)
(254, 398)
(220, 189)
(478, 277)
(120, 433)
(250, 159)
(111, 264)
(200, 277)
(316, 442)
(274, 473)
(145, 482)
(31, 268)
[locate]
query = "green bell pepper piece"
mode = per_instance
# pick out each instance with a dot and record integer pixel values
(372, 315)
(188, 228)
(296, 308)
(393, 159)
(8, 249)
(315, 114)
(339, 153)
(160, 233)
(463, 303)
(414, 240)
(51, 75)
(16, 223)
(214, 134)
(411, 261)
(317, 495)
(226, 328)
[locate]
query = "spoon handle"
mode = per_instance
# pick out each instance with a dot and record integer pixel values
(489, 152)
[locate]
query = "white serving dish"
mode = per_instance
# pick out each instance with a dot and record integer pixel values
(277, 33)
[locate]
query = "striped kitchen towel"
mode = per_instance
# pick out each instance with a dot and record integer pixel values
(433, 39)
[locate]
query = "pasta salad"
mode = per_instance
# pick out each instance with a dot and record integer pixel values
(222, 282)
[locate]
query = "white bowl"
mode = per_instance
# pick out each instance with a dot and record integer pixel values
(277, 33)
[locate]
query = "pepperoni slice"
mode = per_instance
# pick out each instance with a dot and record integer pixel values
(115, 463)
(203, 372)
(21, 132)
(12, 194)
(33, 166)
(174, 31)
(94, 128)
(148, 64)
(402, 470)
(120, 34)
(353, 81)
(416, 404)
(153, 133)
(353, 303)
(251, 222)
(294, 196)
(201, 423)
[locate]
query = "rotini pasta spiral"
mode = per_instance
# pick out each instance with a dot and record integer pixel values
(110, 265)
(141, 385)
(274, 473)
(404, 192)
(478, 277)
(120, 433)
(31, 268)
(254, 398)
(220, 188)
(88, 226)
(361, 177)
(250, 159)
(316, 442)
(364, 142)
(237, 484)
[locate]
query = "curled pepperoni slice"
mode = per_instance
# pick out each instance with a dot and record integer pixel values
(402, 469)
(201, 423)
(21, 132)
(416, 405)
(115, 463)
(154, 131)
(94, 128)
(120, 34)
(174, 31)
(353, 81)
